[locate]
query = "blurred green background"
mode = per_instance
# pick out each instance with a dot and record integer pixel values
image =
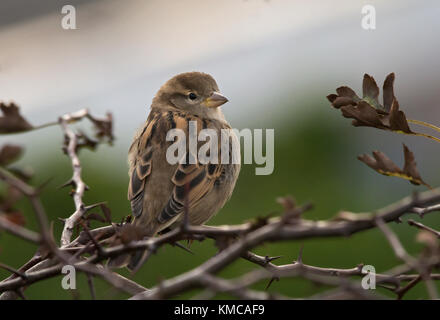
(275, 61)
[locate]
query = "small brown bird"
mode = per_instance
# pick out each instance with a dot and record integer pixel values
(159, 191)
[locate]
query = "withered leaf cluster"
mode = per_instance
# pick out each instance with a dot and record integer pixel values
(367, 111)
(103, 132)
(104, 127)
(384, 165)
(12, 121)
(106, 216)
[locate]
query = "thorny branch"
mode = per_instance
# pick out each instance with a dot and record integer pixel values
(71, 146)
(276, 229)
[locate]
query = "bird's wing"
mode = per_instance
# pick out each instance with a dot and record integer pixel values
(141, 153)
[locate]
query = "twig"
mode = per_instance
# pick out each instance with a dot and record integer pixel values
(424, 210)
(423, 227)
(76, 180)
(19, 231)
(13, 271)
(401, 253)
(402, 291)
(32, 195)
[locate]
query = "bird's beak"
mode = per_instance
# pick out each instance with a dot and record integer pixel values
(215, 100)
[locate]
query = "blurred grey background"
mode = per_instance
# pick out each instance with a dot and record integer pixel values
(260, 52)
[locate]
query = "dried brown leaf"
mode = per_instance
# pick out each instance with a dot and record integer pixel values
(107, 212)
(397, 119)
(12, 120)
(410, 166)
(9, 153)
(15, 217)
(363, 114)
(368, 112)
(384, 165)
(343, 101)
(287, 202)
(347, 92)
(332, 97)
(388, 92)
(104, 127)
(370, 90)
(95, 216)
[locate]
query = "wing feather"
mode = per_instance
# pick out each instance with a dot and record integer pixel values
(141, 166)
(192, 182)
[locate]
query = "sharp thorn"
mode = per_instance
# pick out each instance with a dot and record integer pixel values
(300, 254)
(66, 184)
(177, 244)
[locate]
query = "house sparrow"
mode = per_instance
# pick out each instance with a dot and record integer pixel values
(158, 190)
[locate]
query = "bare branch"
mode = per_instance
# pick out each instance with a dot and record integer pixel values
(32, 194)
(401, 253)
(76, 181)
(424, 210)
(423, 227)
(19, 231)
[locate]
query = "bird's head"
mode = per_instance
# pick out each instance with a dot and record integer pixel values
(194, 92)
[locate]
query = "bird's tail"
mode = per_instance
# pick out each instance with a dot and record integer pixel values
(118, 262)
(135, 259)
(129, 260)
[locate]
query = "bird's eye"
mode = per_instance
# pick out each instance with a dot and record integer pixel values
(192, 96)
